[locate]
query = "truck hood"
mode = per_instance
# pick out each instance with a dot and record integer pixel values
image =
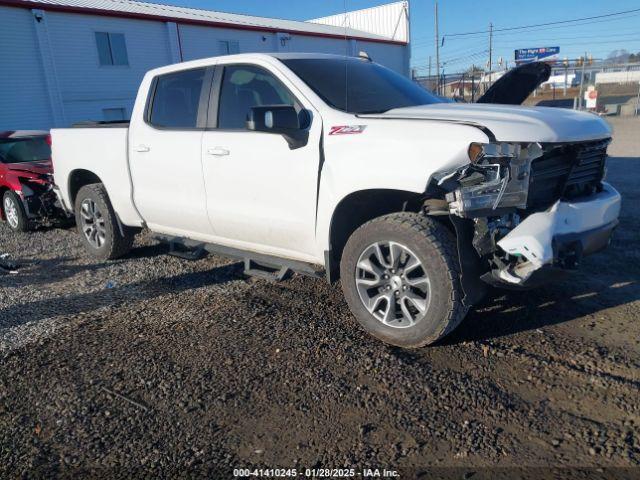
(511, 123)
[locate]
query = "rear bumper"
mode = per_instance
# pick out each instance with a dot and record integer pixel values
(558, 238)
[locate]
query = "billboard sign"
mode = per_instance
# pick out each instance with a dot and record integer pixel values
(542, 54)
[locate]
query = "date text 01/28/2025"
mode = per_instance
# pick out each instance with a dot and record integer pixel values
(315, 473)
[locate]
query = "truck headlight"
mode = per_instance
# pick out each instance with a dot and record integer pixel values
(498, 177)
(479, 151)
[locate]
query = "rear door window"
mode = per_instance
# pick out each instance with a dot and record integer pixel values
(176, 99)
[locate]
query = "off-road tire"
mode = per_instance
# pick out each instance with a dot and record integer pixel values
(116, 243)
(436, 248)
(23, 224)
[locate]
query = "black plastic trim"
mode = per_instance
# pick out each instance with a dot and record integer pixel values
(303, 268)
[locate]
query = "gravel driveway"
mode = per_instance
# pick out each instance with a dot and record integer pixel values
(155, 365)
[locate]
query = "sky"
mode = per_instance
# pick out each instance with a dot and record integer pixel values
(595, 37)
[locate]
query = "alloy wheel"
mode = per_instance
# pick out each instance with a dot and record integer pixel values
(392, 284)
(11, 212)
(92, 223)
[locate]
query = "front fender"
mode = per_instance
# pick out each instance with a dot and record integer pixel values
(389, 154)
(12, 182)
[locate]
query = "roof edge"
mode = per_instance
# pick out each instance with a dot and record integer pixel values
(185, 21)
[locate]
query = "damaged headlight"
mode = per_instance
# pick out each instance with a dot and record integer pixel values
(498, 177)
(480, 151)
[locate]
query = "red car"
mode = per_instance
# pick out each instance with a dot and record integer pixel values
(26, 183)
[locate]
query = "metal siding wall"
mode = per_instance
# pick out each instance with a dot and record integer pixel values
(387, 20)
(202, 42)
(391, 56)
(301, 43)
(618, 77)
(86, 86)
(24, 102)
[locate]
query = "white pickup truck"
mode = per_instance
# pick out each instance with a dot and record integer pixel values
(338, 167)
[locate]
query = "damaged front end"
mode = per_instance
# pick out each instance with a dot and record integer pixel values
(39, 199)
(529, 212)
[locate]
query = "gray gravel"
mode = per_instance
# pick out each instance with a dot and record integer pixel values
(160, 366)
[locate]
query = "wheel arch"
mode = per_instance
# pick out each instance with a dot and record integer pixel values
(77, 179)
(357, 208)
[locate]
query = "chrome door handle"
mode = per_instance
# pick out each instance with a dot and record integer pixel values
(218, 151)
(141, 148)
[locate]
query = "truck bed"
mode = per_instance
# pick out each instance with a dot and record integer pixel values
(101, 149)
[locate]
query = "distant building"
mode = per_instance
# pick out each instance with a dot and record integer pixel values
(65, 61)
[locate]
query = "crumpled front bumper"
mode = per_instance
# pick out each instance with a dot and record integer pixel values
(557, 238)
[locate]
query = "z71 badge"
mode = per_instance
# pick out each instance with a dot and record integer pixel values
(347, 129)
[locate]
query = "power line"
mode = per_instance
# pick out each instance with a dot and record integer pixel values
(544, 24)
(456, 60)
(535, 30)
(636, 38)
(592, 37)
(529, 29)
(563, 27)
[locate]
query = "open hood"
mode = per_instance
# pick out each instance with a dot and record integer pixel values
(515, 86)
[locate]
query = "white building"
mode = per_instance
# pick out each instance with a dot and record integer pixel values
(65, 61)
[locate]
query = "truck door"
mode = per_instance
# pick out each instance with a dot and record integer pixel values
(260, 192)
(165, 154)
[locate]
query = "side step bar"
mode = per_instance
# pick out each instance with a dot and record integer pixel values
(275, 273)
(255, 264)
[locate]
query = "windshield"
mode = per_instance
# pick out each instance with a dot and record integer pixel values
(27, 149)
(359, 86)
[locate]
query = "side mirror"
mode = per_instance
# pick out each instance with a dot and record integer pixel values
(282, 120)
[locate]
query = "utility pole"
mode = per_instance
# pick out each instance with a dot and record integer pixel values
(473, 83)
(437, 38)
(582, 82)
(429, 68)
(566, 76)
(490, 51)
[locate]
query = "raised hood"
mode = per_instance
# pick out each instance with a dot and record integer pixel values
(516, 85)
(511, 123)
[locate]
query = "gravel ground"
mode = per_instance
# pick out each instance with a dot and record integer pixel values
(160, 366)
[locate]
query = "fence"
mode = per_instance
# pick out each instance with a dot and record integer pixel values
(617, 87)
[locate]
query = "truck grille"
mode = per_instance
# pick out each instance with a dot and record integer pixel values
(568, 172)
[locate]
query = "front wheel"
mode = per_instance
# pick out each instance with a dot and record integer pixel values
(400, 276)
(14, 212)
(98, 225)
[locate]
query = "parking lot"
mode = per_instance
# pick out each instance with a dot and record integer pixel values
(151, 363)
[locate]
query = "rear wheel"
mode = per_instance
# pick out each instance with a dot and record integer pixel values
(400, 277)
(98, 225)
(14, 212)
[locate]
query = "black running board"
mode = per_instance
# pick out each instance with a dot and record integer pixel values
(274, 273)
(187, 253)
(269, 267)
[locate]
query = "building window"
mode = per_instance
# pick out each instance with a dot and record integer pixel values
(114, 114)
(112, 49)
(229, 47)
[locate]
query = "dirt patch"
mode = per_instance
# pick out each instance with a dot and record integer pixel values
(160, 366)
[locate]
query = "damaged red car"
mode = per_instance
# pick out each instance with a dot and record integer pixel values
(26, 185)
